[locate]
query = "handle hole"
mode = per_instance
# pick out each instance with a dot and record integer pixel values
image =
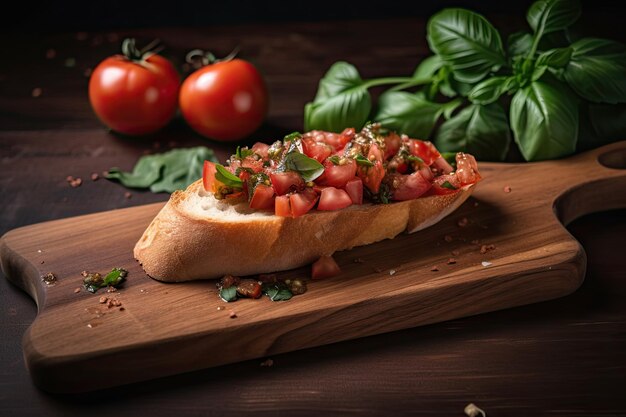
(615, 159)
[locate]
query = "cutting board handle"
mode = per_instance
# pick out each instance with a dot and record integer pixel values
(590, 182)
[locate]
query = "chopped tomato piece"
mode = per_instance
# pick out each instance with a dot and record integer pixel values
(208, 176)
(392, 144)
(284, 182)
(250, 162)
(249, 288)
(302, 202)
(424, 150)
(354, 188)
(373, 176)
(334, 199)
(316, 150)
(336, 140)
(261, 149)
(446, 184)
(338, 175)
(263, 197)
(281, 206)
(325, 267)
(467, 168)
(408, 187)
(442, 165)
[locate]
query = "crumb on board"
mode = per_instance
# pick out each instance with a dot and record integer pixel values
(74, 182)
(95, 176)
(507, 189)
(462, 222)
(232, 315)
(128, 195)
(358, 260)
(486, 263)
(435, 268)
(486, 248)
(392, 272)
(451, 261)
(37, 92)
(76, 290)
(471, 410)
(456, 252)
(267, 363)
(448, 238)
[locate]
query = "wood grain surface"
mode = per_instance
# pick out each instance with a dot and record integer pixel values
(69, 346)
(564, 357)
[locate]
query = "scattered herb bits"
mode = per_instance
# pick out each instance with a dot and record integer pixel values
(93, 281)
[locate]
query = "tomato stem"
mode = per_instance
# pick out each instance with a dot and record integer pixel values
(200, 58)
(130, 50)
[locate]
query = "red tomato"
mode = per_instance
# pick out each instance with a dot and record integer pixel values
(134, 97)
(208, 176)
(337, 175)
(325, 267)
(255, 165)
(467, 168)
(373, 176)
(336, 140)
(408, 187)
(392, 144)
(284, 182)
(425, 150)
(302, 202)
(316, 150)
(263, 197)
(354, 188)
(261, 149)
(281, 206)
(334, 199)
(225, 101)
(453, 184)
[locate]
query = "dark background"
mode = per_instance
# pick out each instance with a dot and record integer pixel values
(120, 14)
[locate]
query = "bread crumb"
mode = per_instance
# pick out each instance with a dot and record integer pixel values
(95, 176)
(220, 308)
(451, 261)
(435, 268)
(507, 189)
(358, 261)
(486, 248)
(103, 299)
(37, 92)
(485, 263)
(455, 253)
(448, 238)
(76, 290)
(232, 315)
(267, 363)
(128, 195)
(392, 272)
(471, 410)
(462, 222)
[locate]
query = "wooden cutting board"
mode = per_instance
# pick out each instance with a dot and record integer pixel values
(77, 344)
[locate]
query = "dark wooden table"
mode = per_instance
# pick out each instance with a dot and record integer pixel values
(566, 357)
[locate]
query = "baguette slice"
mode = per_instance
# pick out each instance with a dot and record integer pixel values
(195, 236)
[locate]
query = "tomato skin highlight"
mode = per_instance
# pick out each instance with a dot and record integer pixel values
(338, 175)
(408, 187)
(263, 197)
(334, 199)
(324, 267)
(134, 98)
(208, 176)
(302, 202)
(224, 101)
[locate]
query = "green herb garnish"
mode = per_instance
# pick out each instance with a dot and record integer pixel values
(277, 291)
(308, 168)
(361, 160)
(229, 294)
(446, 184)
(227, 178)
(292, 136)
(94, 281)
(242, 153)
(165, 172)
(335, 159)
(413, 158)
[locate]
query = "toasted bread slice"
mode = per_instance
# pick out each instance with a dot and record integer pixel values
(195, 236)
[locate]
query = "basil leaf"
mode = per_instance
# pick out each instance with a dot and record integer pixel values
(115, 277)
(292, 136)
(428, 67)
(342, 100)
(165, 172)
(408, 113)
(467, 42)
(544, 119)
(488, 91)
(413, 158)
(277, 291)
(308, 168)
(519, 44)
(482, 131)
(597, 70)
(242, 153)
(545, 16)
(446, 184)
(229, 294)
(227, 178)
(555, 58)
(361, 160)
(334, 159)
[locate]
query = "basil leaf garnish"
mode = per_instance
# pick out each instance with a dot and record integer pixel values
(308, 168)
(227, 178)
(446, 184)
(361, 160)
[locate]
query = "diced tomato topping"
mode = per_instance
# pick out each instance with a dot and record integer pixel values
(425, 150)
(336, 140)
(408, 187)
(284, 182)
(261, 149)
(263, 197)
(467, 168)
(338, 175)
(373, 176)
(316, 150)
(253, 164)
(354, 188)
(442, 165)
(334, 199)
(446, 184)
(249, 288)
(281, 206)
(392, 144)
(302, 202)
(324, 267)
(208, 176)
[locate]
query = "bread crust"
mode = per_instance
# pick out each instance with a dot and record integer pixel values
(180, 245)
